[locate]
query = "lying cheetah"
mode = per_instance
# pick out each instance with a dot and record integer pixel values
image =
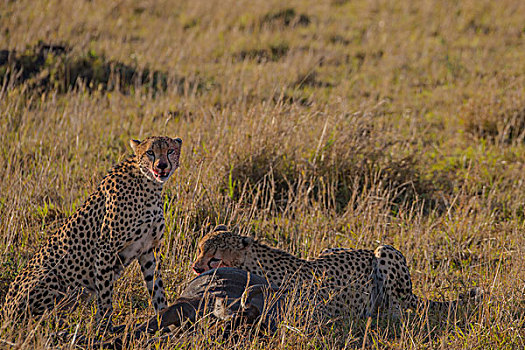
(121, 221)
(358, 282)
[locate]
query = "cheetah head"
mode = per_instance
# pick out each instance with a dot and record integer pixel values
(221, 248)
(157, 156)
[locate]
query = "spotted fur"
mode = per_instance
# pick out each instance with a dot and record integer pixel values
(121, 221)
(347, 281)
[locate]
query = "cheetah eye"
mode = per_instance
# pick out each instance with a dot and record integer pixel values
(150, 153)
(170, 151)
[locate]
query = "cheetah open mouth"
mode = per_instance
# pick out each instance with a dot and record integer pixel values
(213, 263)
(160, 176)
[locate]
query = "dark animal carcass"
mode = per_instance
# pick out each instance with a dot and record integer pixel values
(233, 295)
(227, 293)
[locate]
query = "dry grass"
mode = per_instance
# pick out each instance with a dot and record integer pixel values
(311, 124)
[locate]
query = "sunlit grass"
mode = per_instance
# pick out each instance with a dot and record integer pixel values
(308, 124)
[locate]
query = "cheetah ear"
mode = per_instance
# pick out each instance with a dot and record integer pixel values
(134, 144)
(220, 228)
(247, 241)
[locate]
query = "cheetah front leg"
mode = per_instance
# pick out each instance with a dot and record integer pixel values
(150, 266)
(105, 276)
(393, 278)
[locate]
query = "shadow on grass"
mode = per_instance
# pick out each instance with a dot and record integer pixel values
(286, 17)
(282, 179)
(47, 67)
(272, 53)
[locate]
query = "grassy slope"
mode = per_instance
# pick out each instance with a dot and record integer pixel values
(311, 124)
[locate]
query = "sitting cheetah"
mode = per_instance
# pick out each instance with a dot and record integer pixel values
(357, 282)
(120, 222)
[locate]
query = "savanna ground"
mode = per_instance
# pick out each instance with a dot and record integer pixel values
(309, 124)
